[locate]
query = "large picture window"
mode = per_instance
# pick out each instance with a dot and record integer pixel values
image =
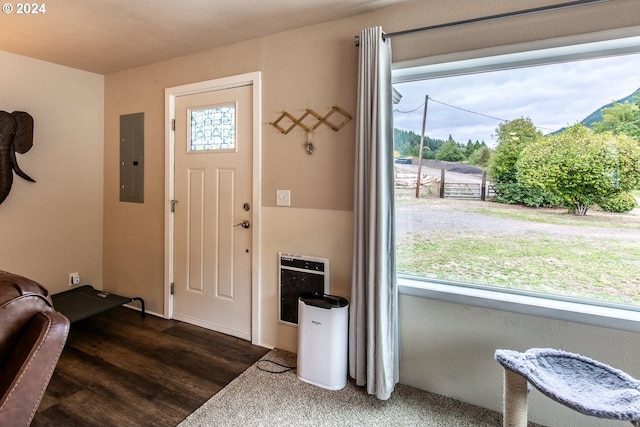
(529, 180)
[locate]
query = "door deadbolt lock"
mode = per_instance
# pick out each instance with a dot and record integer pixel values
(243, 224)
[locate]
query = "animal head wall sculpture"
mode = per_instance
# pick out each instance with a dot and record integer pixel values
(16, 135)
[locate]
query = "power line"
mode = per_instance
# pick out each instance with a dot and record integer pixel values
(465, 110)
(407, 112)
(452, 106)
(469, 111)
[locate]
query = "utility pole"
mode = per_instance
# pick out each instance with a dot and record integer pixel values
(424, 122)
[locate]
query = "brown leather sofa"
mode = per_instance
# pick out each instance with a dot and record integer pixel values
(32, 336)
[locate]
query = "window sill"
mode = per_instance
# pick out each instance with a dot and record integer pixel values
(572, 311)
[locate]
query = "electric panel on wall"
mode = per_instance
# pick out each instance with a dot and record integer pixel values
(132, 158)
(300, 274)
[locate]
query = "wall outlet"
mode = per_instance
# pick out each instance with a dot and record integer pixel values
(74, 279)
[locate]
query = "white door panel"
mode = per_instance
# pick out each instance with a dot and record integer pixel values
(213, 189)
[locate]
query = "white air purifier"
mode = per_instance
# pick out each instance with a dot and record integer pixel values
(323, 322)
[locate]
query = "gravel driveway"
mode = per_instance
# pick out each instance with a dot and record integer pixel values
(434, 214)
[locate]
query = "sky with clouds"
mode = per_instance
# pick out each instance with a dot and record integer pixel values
(553, 96)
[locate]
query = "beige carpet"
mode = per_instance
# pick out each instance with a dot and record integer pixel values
(258, 398)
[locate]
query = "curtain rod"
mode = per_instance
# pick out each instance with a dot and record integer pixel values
(489, 18)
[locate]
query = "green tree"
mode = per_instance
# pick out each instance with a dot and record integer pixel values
(581, 167)
(469, 149)
(477, 153)
(481, 156)
(513, 136)
(621, 118)
(407, 144)
(450, 152)
(434, 145)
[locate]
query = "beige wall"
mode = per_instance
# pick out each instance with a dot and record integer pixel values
(294, 77)
(446, 348)
(54, 227)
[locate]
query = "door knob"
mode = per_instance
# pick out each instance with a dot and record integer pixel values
(244, 224)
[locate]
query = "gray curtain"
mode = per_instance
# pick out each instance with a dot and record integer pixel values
(373, 316)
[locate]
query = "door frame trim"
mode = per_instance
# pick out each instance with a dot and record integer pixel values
(249, 79)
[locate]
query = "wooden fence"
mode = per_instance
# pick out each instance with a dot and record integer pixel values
(466, 191)
(482, 190)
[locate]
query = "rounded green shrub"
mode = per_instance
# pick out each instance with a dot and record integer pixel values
(619, 202)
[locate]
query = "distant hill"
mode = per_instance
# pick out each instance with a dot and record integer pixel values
(596, 116)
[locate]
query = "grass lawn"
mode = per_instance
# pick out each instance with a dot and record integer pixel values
(594, 257)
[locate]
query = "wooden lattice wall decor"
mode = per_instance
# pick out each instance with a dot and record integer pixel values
(320, 120)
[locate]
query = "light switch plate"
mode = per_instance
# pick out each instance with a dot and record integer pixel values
(283, 197)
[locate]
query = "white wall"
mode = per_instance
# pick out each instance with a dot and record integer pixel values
(54, 227)
(448, 349)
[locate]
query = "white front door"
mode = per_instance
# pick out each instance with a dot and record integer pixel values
(212, 255)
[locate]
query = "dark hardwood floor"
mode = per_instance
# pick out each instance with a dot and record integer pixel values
(118, 369)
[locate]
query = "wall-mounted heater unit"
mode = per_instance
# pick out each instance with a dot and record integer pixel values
(300, 274)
